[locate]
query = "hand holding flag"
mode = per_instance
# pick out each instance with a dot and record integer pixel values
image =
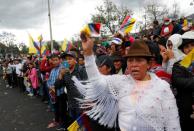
(91, 30)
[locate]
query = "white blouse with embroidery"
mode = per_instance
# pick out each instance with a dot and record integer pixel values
(151, 108)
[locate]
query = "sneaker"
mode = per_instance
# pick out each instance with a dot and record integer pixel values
(30, 94)
(7, 86)
(10, 87)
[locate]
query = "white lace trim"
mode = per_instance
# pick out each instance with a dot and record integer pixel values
(103, 93)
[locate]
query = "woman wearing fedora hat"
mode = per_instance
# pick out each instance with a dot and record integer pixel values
(139, 102)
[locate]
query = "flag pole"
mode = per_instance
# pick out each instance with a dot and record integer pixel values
(40, 48)
(50, 27)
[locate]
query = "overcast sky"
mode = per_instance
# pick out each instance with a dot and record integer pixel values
(68, 16)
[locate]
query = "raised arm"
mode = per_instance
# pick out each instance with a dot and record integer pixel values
(99, 100)
(93, 73)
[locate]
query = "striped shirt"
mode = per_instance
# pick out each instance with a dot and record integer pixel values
(53, 76)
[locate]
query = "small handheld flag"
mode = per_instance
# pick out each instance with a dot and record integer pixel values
(92, 29)
(127, 24)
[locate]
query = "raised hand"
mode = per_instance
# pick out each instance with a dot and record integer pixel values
(170, 54)
(164, 55)
(87, 44)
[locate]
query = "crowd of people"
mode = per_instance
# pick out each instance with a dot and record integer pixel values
(128, 84)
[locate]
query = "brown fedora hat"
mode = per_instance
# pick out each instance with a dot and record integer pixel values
(139, 48)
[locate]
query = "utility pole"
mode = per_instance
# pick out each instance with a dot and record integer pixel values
(49, 15)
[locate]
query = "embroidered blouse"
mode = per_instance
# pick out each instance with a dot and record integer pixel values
(107, 97)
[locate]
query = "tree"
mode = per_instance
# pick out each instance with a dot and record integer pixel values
(155, 10)
(110, 16)
(56, 45)
(13, 49)
(23, 48)
(7, 39)
(2, 48)
(175, 10)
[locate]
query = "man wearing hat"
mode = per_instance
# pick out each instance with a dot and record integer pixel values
(72, 93)
(71, 58)
(115, 45)
(135, 99)
(183, 81)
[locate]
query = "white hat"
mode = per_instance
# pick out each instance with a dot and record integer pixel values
(188, 35)
(176, 40)
(117, 41)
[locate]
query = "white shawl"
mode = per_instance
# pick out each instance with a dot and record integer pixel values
(103, 93)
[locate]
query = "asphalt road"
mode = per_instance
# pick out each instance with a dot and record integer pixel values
(19, 112)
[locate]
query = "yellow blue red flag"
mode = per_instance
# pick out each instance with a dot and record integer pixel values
(92, 29)
(40, 38)
(32, 43)
(127, 24)
(66, 45)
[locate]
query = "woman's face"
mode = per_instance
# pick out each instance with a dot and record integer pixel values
(188, 47)
(30, 66)
(169, 44)
(105, 70)
(117, 64)
(113, 48)
(162, 49)
(138, 67)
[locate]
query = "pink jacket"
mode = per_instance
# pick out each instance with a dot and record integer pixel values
(33, 77)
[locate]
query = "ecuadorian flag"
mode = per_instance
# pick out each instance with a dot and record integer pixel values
(92, 29)
(81, 123)
(67, 45)
(127, 24)
(43, 50)
(33, 47)
(76, 124)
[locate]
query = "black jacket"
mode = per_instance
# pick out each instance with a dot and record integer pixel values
(183, 81)
(68, 83)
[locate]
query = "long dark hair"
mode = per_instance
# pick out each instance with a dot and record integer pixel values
(155, 51)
